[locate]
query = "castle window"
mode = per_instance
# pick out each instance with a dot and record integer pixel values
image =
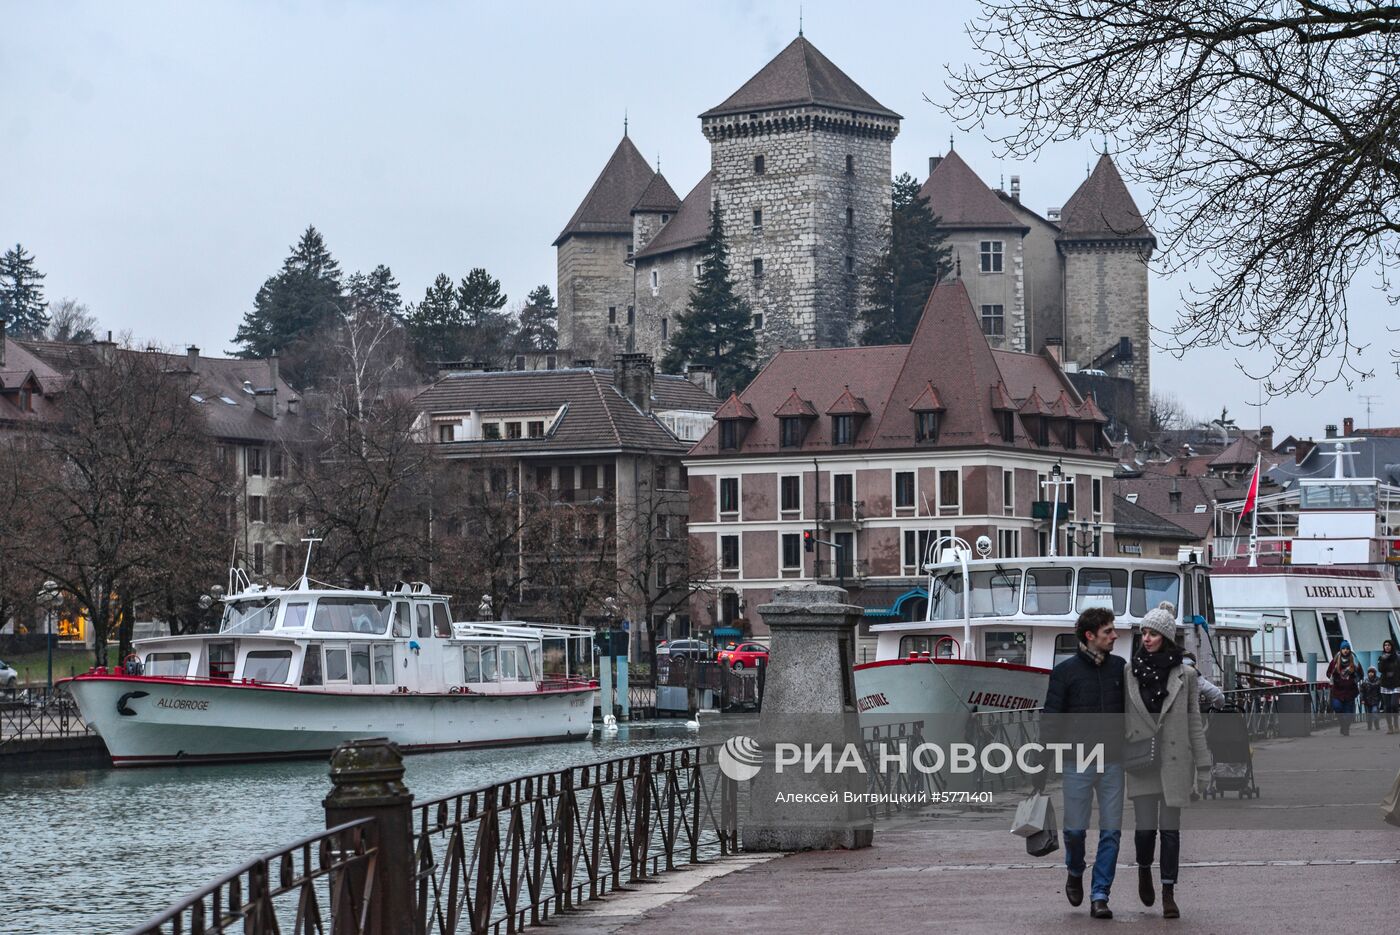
(850, 217)
(612, 314)
(758, 321)
(758, 268)
(699, 269)
(665, 218)
(790, 432)
(926, 426)
(991, 256)
(850, 264)
(757, 165)
(665, 323)
(655, 278)
(757, 217)
(993, 320)
(632, 314)
(629, 251)
(850, 165)
(843, 430)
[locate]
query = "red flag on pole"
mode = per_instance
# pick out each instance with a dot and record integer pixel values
(1253, 491)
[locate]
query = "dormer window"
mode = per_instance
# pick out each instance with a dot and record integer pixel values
(790, 432)
(1007, 423)
(665, 218)
(1042, 435)
(926, 426)
(728, 435)
(843, 430)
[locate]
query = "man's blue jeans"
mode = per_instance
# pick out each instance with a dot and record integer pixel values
(1080, 791)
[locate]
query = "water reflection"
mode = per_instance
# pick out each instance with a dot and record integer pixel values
(101, 850)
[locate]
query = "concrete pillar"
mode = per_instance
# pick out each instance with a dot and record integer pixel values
(367, 782)
(809, 700)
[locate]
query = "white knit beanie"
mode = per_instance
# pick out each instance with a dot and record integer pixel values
(1161, 620)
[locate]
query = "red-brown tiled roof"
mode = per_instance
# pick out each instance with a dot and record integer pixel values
(658, 196)
(928, 401)
(1241, 451)
(797, 76)
(848, 405)
(962, 200)
(1033, 405)
(1103, 209)
(688, 228)
(1001, 399)
(1062, 408)
(607, 208)
(795, 405)
(1090, 411)
(735, 408)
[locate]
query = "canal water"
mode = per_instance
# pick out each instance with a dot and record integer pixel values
(97, 851)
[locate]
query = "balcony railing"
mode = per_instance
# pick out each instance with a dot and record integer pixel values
(852, 569)
(842, 511)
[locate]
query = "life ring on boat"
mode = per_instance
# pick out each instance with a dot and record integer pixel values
(957, 648)
(131, 665)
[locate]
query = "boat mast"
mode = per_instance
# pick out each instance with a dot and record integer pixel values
(1055, 481)
(304, 584)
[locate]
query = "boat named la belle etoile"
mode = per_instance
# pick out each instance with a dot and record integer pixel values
(294, 672)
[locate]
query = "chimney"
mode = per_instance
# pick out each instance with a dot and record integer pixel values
(1055, 347)
(274, 371)
(1266, 437)
(3, 324)
(1174, 497)
(192, 359)
(1016, 188)
(1302, 450)
(702, 377)
(1347, 425)
(933, 162)
(633, 375)
(1331, 431)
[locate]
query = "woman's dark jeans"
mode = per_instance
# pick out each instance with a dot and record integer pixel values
(1151, 813)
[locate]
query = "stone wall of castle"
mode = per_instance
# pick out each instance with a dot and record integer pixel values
(594, 276)
(659, 308)
(991, 288)
(1105, 299)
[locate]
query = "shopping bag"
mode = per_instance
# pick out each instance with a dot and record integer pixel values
(1046, 840)
(1390, 805)
(1030, 815)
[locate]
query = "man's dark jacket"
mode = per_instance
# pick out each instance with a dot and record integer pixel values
(1084, 704)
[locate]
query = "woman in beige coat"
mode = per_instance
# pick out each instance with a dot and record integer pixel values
(1163, 700)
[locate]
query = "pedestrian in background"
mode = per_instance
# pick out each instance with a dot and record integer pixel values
(1388, 665)
(1084, 704)
(1345, 673)
(1212, 697)
(1371, 699)
(1163, 702)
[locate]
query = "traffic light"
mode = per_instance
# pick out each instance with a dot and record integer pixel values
(809, 540)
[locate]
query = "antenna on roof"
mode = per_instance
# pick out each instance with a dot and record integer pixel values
(624, 121)
(950, 142)
(799, 21)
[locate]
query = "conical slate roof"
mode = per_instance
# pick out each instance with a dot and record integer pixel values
(800, 75)
(962, 200)
(1102, 209)
(607, 208)
(658, 196)
(688, 228)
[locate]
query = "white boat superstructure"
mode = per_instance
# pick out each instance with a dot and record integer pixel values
(295, 671)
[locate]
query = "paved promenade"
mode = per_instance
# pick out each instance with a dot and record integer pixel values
(1337, 865)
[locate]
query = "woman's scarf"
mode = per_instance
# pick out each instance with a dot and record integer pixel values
(1151, 671)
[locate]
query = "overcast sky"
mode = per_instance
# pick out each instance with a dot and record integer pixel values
(160, 159)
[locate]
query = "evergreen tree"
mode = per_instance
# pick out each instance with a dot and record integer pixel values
(717, 327)
(435, 324)
(295, 304)
(897, 284)
(377, 292)
(22, 302)
(489, 331)
(539, 322)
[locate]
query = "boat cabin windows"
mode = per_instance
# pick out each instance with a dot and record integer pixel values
(351, 615)
(221, 660)
(1332, 627)
(1102, 587)
(471, 664)
(940, 647)
(311, 665)
(1367, 629)
(403, 620)
(336, 668)
(425, 620)
(1308, 637)
(267, 665)
(1066, 646)
(1150, 588)
(176, 665)
(442, 623)
(506, 662)
(488, 664)
(250, 616)
(1009, 646)
(383, 656)
(495, 663)
(945, 598)
(1048, 590)
(295, 615)
(996, 593)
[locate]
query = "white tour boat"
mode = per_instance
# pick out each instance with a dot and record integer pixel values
(995, 627)
(1318, 567)
(294, 672)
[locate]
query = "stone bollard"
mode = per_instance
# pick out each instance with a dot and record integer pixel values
(367, 782)
(809, 701)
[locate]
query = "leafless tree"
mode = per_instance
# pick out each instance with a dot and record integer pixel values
(1268, 132)
(70, 322)
(19, 583)
(481, 524)
(659, 570)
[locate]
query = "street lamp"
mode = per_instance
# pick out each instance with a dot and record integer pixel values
(1084, 537)
(50, 599)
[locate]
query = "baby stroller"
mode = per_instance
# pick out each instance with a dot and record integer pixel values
(1227, 735)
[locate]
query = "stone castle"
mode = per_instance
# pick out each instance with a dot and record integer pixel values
(800, 165)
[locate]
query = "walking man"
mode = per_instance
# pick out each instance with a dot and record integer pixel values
(1084, 705)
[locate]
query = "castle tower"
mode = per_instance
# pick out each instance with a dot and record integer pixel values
(594, 252)
(800, 163)
(1105, 244)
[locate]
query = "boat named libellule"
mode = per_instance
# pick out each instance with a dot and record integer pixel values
(294, 672)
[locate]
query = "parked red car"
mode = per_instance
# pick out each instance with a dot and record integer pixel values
(743, 655)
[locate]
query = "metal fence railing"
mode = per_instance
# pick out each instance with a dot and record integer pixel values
(34, 713)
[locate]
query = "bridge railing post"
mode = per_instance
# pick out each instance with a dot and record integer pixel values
(367, 782)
